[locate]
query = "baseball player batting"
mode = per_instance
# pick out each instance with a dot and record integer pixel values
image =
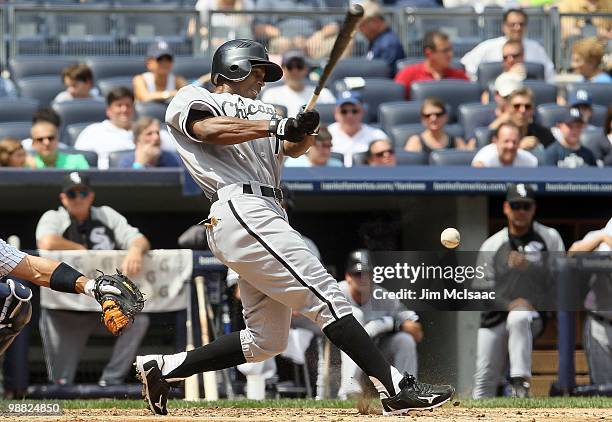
(15, 307)
(234, 145)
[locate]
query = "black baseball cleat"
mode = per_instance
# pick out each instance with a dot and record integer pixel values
(414, 395)
(155, 387)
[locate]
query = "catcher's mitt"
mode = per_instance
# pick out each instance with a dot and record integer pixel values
(120, 298)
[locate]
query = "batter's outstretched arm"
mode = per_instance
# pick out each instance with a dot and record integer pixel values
(227, 130)
(39, 270)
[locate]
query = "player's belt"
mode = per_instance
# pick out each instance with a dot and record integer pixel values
(267, 191)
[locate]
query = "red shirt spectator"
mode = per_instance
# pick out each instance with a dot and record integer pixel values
(438, 52)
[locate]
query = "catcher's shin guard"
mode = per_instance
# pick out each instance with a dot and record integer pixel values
(15, 311)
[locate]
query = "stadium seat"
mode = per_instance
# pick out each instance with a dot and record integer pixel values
(595, 140)
(326, 113)
(600, 93)
(360, 67)
(489, 71)
(152, 109)
(179, 44)
(42, 88)
(399, 134)
(455, 63)
(359, 159)
(115, 157)
(543, 92)
(19, 130)
(23, 67)
(338, 156)
(106, 85)
(473, 115)
(17, 109)
(73, 131)
(110, 67)
(90, 156)
(452, 92)
(451, 157)
(406, 158)
(483, 136)
(192, 68)
(80, 111)
(377, 91)
(88, 45)
(550, 114)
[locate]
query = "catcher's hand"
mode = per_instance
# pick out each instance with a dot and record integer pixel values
(120, 298)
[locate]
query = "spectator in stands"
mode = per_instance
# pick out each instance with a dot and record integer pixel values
(580, 99)
(295, 92)
(519, 110)
(571, 26)
(587, 55)
(512, 65)
(569, 152)
(113, 134)
(78, 80)
(438, 52)
(514, 27)
(396, 329)
(158, 83)
(12, 153)
(434, 117)
(504, 150)
(602, 147)
(384, 43)
(512, 262)
(44, 115)
(598, 323)
(77, 225)
(349, 133)
(147, 147)
(318, 155)
(45, 140)
(381, 153)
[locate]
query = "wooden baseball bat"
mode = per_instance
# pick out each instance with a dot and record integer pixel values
(192, 387)
(346, 34)
(210, 378)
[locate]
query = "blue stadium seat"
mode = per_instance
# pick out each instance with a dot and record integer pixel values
(452, 92)
(600, 93)
(192, 68)
(72, 132)
(595, 140)
(359, 159)
(110, 67)
(88, 45)
(377, 91)
(550, 114)
(17, 109)
(115, 157)
(451, 157)
(360, 67)
(483, 136)
(399, 134)
(489, 71)
(326, 113)
(80, 111)
(19, 130)
(543, 92)
(473, 115)
(338, 156)
(90, 156)
(152, 109)
(406, 158)
(42, 88)
(106, 85)
(23, 67)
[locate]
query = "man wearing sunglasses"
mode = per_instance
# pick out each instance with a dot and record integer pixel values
(296, 90)
(513, 259)
(381, 153)
(78, 225)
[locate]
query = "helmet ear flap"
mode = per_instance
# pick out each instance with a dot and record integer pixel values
(238, 70)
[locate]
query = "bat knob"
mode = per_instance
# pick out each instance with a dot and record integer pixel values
(356, 10)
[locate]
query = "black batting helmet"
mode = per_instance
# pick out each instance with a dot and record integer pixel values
(234, 59)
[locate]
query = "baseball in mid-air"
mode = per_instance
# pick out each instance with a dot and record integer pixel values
(450, 238)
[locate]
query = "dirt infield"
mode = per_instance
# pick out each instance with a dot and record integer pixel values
(449, 414)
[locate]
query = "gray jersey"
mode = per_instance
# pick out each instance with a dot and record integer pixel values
(216, 166)
(9, 258)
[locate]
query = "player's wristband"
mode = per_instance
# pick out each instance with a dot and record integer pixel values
(64, 278)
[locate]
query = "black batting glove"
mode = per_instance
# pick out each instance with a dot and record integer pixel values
(308, 120)
(286, 129)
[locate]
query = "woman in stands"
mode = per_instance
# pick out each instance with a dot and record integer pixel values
(587, 55)
(12, 154)
(159, 83)
(434, 117)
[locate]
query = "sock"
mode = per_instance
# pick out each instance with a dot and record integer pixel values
(224, 352)
(349, 336)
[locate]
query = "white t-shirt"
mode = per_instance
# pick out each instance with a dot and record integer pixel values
(489, 156)
(348, 145)
(491, 51)
(293, 100)
(63, 96)
(104, 138)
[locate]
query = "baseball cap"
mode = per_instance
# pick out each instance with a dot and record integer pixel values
(348, 97)
(159, 49)
(572, 114)
(580, 97)
(359, 261)
(507, 83)
(520, 192)
(293, 55)
(74, 179)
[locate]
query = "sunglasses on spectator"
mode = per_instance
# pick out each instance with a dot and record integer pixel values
(519, 105)
(519, 24)
(381, 154)
(349, 110)
(51, 138)
(297, 66)
(437, 114)
(72, 194)
(525, 206)
(326, 145)
(512, 56)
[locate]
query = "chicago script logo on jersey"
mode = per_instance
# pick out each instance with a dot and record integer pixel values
(243, 111)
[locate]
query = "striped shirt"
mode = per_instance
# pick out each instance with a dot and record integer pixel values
(9, 258)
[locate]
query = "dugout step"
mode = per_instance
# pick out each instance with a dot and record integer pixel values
(90, 391)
